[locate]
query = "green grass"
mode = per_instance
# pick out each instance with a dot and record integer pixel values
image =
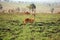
(46, 27)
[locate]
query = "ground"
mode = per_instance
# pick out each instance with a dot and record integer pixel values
(45, 27)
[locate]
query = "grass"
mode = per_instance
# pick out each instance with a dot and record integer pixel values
(46, 27)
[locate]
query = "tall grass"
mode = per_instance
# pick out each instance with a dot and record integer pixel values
(46, 27)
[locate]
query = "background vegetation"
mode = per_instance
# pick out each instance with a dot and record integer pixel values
(46, 27)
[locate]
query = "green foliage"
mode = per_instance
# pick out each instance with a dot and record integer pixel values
(46, 27)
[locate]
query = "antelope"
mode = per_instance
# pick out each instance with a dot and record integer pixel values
(28, 20)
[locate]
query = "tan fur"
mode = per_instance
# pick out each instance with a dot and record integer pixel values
(28, 20)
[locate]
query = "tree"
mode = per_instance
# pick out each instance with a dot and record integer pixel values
(52, 10)
(1, 6)
(52, 7)
(32, 7)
